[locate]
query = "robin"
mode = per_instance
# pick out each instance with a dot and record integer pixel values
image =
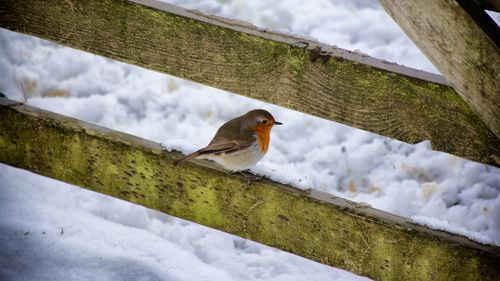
(240, 143)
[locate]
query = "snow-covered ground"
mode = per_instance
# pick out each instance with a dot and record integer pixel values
(52, 231)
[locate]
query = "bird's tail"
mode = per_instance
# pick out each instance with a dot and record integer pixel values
(186, 158)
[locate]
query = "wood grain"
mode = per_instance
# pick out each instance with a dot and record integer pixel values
(312, 224)
(349, 88)
(459, 46)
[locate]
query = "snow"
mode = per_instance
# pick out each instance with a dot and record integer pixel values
(108, 239)
(444, 225)
(53, 231)
(352, 25)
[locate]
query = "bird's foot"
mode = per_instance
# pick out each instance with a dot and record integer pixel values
(248, 176)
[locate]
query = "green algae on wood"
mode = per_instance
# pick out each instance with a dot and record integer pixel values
(350, 88)
(312, 224)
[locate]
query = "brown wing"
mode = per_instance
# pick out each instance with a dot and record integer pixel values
(228, 138)
(217, 146)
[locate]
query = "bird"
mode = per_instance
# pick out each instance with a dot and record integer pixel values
(239, 143)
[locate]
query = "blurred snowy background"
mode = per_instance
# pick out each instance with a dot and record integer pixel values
(53, 231)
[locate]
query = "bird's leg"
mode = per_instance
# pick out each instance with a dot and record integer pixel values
(248, 176)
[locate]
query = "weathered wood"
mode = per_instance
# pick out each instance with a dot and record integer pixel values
(459, 47)
(350, 88)
(482, 19)
(312, 224)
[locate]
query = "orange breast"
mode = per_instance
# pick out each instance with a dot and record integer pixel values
(263, 133)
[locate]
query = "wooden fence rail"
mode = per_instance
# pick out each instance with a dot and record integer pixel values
(311, 224)
(350, 88)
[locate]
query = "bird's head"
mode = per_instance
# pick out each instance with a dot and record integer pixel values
(259, 119)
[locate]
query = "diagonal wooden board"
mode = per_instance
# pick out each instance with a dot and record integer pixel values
(312, 224)
(338, 85)
(462, 41)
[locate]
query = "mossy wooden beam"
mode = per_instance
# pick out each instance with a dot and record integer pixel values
(335, 84)
(312, 224)
(462, 41)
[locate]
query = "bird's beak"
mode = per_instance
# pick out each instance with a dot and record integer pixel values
(277, 123)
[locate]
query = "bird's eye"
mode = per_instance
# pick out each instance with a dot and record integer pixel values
(264, 121)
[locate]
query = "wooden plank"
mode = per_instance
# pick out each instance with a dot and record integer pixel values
(350, 88)
(482, 19)
(461, 44)
(312, 224)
